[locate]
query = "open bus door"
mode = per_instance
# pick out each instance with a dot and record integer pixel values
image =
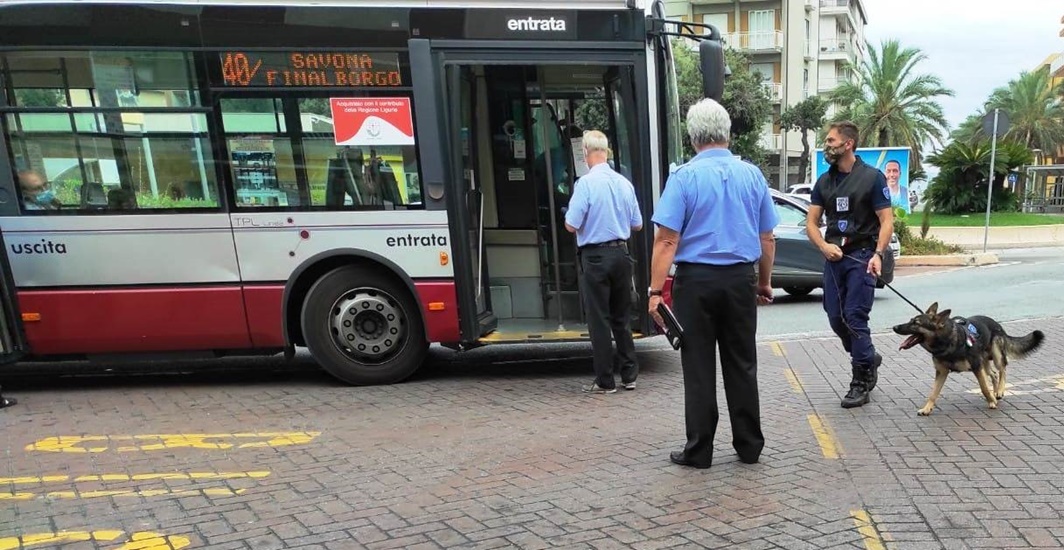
(12, 338)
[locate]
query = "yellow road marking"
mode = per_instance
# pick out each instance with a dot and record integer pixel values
(195, 476)
(777, 349)
(143, 540)
(792, 377)
(872, 540)
(828, 444)
(80, 444)
(147, 493)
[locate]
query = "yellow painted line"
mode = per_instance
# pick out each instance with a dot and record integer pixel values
(193, 476)
(828, 444)
(872, 540)
(85, 443)
(148, 493)
(777, 349)
(142, 540)
(792, 377)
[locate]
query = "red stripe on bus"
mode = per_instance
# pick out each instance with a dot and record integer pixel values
(442, 324)
(265, 309)
(186, 319)
(135, 320)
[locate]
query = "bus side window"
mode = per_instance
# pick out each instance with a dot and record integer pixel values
(126, 144)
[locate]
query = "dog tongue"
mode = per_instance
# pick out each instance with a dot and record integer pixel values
(910, 342)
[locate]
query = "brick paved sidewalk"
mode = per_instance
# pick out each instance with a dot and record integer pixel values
(492, 449)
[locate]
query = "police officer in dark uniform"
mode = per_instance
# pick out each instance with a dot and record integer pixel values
(860, 222)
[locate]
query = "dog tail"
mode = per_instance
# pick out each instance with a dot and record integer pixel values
(1019, 347)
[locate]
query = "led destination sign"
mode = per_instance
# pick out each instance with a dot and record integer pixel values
(310, 68)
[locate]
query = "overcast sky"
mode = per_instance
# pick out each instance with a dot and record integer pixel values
(985, 44)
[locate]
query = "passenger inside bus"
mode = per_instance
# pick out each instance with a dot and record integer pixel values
(36, 192)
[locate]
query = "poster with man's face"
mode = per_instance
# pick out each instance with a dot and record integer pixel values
(892, 161)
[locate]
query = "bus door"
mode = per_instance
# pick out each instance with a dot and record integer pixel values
(461, 93)
(12, 340)
(620, 103)
(492, 108)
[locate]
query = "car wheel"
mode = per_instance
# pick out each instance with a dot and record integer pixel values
(797, 290)
(364, 327)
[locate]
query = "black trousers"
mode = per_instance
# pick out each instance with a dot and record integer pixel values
(607, 292)
(717, 305)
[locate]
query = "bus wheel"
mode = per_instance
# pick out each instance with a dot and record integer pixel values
(363, 327)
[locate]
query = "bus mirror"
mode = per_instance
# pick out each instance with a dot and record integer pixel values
(714, 70)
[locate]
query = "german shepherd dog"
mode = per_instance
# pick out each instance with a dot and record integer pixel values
(976, 344)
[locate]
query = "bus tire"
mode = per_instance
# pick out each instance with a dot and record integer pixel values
(363, 327)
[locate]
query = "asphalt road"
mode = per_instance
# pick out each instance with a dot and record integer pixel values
(1026, 284)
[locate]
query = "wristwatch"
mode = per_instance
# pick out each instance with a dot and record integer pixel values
(652, 292)
(880, 254)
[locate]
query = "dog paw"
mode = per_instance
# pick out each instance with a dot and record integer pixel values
(1000, 396)
(924, 411)
(992, 405)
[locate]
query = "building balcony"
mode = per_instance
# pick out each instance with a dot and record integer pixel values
(771, 142)
(774, 91)
(1056, 68)
(837, 48)
(844, 10)
(770, 41)
(829, 84)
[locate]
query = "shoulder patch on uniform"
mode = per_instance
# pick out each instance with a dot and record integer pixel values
(886, 192)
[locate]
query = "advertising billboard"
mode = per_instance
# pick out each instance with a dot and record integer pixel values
(892, 161)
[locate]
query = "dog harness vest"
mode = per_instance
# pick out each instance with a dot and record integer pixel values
(970, 332)
(851, 216)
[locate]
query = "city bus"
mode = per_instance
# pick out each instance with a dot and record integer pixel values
(359, 178)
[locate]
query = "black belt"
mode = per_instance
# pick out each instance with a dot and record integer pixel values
(714, 266)
(608, 244)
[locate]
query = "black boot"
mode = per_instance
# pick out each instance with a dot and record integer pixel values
(858, 394)
(873, 375)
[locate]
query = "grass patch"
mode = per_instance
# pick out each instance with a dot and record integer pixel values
(997, 219)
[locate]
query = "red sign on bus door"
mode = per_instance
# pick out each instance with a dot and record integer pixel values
(367, 121)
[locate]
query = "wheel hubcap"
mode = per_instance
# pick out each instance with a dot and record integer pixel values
(369, 325)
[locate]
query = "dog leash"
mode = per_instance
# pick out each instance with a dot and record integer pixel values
(900, 295)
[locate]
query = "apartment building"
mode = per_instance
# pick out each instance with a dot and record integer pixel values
(800, 47)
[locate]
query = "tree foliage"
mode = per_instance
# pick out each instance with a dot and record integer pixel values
(744, 97)
(960, 186)
(1035, 109)
(805, 116)
(892, 103)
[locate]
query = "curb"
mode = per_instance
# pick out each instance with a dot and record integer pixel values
(947, 260)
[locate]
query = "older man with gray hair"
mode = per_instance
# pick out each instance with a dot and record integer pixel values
(603, 212)
(715, 221)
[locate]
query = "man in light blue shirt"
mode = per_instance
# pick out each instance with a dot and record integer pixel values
(715, 221)
(603, 212)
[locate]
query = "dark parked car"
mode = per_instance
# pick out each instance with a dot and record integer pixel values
(799, 266)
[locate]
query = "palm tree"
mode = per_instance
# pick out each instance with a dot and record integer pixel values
(892, 104)
(1035, 109)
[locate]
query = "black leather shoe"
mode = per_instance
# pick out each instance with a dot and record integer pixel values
(677, 457)
(749, 459)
